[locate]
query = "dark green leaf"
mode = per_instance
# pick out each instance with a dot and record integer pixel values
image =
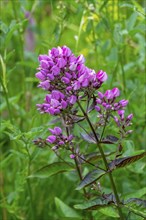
(139, 202)
(51, 169)
(90, 178)
(96, 156)
(89, 138)
(122, 162)
(92, 205)
(110, 139)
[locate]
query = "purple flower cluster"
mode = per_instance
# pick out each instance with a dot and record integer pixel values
(58, 139)
(56, 102)
(108, 101)
(65, 75)
(123, 122)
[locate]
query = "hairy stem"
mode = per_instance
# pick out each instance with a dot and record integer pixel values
(105, 162)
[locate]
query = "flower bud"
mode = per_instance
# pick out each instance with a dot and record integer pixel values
(100, 94)
(72, 156)
(123, 102)
(129, 118)
(97, 108)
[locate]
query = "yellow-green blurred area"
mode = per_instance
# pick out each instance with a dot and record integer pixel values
(111, 36)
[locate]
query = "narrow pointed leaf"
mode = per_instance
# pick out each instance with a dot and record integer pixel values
(90, 178)
(88, 138)
(122, 162)
(95, 156)
(51, 169)
(139, 202)
(136, 209)
(92, 205)
(110, 139)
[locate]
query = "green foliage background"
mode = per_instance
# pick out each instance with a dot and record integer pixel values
(110, 34)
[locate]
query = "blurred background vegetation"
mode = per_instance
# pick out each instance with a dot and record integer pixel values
(110, 34)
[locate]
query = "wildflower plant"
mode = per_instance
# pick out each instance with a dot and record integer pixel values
(73, 96)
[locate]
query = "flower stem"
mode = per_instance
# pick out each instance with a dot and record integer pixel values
(105, 162)
(75, 159)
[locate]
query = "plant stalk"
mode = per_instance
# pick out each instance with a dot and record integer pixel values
(105, 162)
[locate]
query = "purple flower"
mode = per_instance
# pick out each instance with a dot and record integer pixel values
(40, 76)
(121, 112)
(63, 104)
(56, 131)
(70, 137)
(66, 51)
(51, 139)
(109, 95)
(77, 85)
(55, 70)
(65, 80)
(61, 62)
(116, 92)
(45, 85)
(44, 64)
(43, 57)
(123, 102)
(72, 99)
(101, 76)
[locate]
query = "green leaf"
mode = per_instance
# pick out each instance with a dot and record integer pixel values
(12, 100)
(137, 208)
(131, 21)
(3, 27)
(90, 178)
(117, 34)
(122, 162)
(51, 169)
(93, 204)
(13, 27)
(66, 211)
(109, 211)
(136, 194)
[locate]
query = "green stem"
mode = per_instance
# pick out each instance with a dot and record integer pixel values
(76, 161)
(79, 33)
(28, 183)
(80, 175)
(7, 101)
(89, 162)
(105, 162)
